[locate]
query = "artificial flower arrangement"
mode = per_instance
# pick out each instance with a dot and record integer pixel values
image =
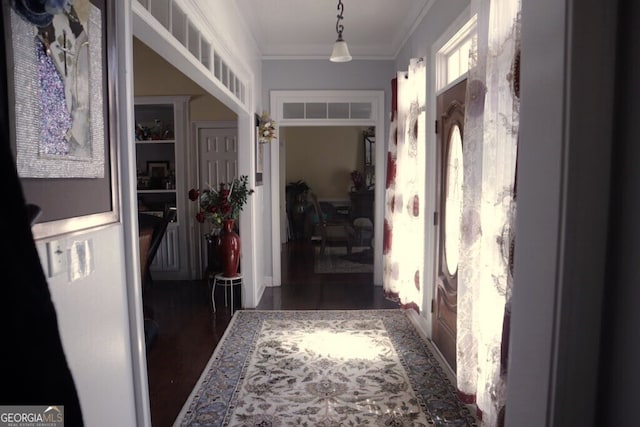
(226, 203)
(266, 129)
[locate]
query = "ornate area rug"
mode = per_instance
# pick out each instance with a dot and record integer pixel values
(336, 260)
(323, 368)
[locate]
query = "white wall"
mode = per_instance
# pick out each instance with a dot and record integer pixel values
(441, 14)
(324, 157)
(235, 42)
(94, 327)
(566, 137)
(320, 74)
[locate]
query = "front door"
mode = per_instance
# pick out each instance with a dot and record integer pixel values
(218, 161)
(450, 132)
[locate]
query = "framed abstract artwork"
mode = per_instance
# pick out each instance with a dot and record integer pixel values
(63, 116)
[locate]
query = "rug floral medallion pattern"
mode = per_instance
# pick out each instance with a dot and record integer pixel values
(323, 368)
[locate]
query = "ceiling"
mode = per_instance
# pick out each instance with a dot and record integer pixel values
(306, 29)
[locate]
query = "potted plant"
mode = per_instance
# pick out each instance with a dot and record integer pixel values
(221, 208)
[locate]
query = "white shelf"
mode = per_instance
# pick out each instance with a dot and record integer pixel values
(167, 114)
(155, 141)
(173, 190)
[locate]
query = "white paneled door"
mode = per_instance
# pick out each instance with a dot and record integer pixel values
(218, 154)
(218, 160)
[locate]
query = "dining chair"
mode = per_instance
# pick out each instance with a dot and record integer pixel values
(151, 232)
(332, 230)
(159, 226)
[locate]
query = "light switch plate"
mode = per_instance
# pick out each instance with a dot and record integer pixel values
(57, 258)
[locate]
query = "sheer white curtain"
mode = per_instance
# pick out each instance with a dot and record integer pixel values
(490, 147)
(403, 277)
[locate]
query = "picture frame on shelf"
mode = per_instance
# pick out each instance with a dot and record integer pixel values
(157, 169)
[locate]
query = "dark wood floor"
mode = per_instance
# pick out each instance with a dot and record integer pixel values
(188, 330)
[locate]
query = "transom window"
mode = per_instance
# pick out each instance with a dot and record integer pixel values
(453, 58)
(327, 110)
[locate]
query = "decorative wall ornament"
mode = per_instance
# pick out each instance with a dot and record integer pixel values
(267, 129)
(60, 57)
(58, 90)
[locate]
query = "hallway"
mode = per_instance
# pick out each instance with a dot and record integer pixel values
(189, 330)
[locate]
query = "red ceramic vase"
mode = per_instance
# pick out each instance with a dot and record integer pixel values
(229, 249)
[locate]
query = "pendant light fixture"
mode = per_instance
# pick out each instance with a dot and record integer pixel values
(340, 49)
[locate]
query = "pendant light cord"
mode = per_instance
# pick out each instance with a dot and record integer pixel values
(339, 26)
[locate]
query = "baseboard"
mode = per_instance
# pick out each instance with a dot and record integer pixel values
(260, 293)
(268, 282)
(421, 326)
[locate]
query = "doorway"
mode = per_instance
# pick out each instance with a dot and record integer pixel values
(449, 71)
(323, 159)
(217, 145)
(338, 108)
